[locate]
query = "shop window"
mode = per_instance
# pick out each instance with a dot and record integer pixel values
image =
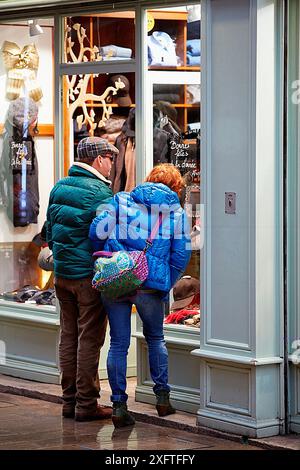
(174, 38)
(109, 36)
(26, 160)
(174, 63)
(102, 105)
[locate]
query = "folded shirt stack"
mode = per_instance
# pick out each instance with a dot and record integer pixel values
(161, 49)
(193, 51)
(113, 52)
(169, 97)
(170, 93)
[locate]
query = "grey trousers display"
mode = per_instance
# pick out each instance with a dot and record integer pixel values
(83, 322)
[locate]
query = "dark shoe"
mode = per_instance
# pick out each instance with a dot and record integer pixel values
(120, 415)
(21, 295)
(163, 405)
(42, 297)
(102, 412)
(68, 411)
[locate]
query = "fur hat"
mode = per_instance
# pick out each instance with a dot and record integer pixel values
(22, 112)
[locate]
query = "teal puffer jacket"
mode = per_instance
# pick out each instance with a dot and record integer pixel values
(72, 207)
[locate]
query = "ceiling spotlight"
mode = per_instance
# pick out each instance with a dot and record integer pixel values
(34, 28)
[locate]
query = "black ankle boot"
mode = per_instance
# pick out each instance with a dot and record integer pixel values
(120, 416)
(163, 405)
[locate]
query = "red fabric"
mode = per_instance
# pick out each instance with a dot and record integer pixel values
(180, 315)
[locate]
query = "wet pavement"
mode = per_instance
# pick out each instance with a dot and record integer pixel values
(32, 424)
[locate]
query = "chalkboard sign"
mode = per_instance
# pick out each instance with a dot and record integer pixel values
(185, 154)
(21, 152)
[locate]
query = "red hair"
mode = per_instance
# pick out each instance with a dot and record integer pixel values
(167, 174)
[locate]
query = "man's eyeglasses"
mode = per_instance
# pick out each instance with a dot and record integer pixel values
(109, 155)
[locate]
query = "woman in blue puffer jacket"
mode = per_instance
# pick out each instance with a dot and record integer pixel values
(126, 225)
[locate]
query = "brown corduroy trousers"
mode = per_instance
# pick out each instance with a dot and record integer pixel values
(83, 322)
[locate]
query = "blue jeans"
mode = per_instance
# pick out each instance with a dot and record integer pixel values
(151, 311)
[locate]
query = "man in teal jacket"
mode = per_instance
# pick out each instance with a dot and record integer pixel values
(72, 207)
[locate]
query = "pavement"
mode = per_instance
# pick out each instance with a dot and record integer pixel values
(32, 424)
(44, 400)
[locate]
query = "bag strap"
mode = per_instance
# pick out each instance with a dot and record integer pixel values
(153, 233)
(103, 253)
(148, 241)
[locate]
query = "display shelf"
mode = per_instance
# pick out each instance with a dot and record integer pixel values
(185, 68)
(116, 15)
(170, 15)
(183, 105)
(113, 105)
(180, 105)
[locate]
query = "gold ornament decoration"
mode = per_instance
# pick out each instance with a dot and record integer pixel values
(78, 85)
(21, 65)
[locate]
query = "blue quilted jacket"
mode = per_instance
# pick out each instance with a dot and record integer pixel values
(125, 224)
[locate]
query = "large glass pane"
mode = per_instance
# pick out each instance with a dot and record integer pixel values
(26, 159)
(174, 38)
(102, 105)
(174, 49)
(100, 37)
(176, 140)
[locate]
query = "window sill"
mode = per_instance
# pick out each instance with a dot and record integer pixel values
(28, 312)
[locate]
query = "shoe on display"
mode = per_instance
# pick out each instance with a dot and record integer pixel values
(21, 295)
(52, 300)
(42, 297)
